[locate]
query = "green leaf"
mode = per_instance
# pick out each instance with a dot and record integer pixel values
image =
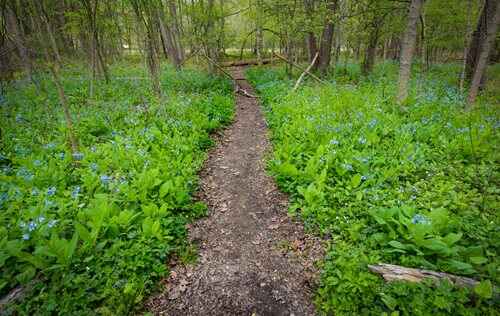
(84, 233)
(396, 244)
(389, 301)
(478, 260)
(484, 289)
(165, 188)
(452, 238)
(356, 180)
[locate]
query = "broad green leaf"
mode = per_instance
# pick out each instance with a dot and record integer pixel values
(484, 289)
(356, 180)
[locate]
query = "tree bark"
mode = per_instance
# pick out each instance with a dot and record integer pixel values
(312, 47)
(371, 49)
(407, 49)
(478, 37)
(466, 47)
(53, 58)
(325, 48)
(19, 42)
(482, 61)
(168, 39)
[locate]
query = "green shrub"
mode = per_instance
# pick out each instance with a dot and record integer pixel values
(95, 236)
(415, 187)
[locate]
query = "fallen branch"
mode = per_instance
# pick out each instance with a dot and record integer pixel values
(238, 88)
(12, 296)
(391, 272)
(299, 67)
(247, 62)
(297, 84)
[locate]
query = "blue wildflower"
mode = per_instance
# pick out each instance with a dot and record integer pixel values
(334, 142)
(50, 146)
(4, 196)
(78, 156)
(49, 203)
(105, 179)
(37, 163)
(75, 192)
(420, 219)
(348, 166)
(40, 219)
(19, 118)
(25, 174)
(362, 140)
(62, 155)
(372, 123)
(364, 178)
(52, 223)
(51, 191)
(93, 166)
(31, 226)
(26, 236)
(35, 191)
(114, 133)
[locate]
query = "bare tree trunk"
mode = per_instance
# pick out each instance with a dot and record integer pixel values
(423, 47)
(482, 61)
(466, 46)
(147, 19)
(19, 42)
(54, 61)
(168, 39)
(312, 47)
(371, 49)
(407, 49)
(478, 37)
(259, 36)
(386, 47)
(176, 28)
(325, 48)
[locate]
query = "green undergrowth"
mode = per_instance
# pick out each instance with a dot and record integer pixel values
(417, 187)
(92, 233)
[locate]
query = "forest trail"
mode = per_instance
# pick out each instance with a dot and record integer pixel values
(253, 259)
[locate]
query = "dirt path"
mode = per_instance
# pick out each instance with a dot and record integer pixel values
(253, 260)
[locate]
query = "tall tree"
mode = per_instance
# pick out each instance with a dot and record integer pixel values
(479, 37)
(482, 61)
(325, 49)
(145, 13)
(407, 49)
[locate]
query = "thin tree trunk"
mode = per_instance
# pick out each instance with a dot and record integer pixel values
(482, 61)
(407, 49)
(312, 47)
(371, 49)
(478, 37)
(466, 46)
(54, 67)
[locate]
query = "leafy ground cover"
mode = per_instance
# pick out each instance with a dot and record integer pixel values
(94, 236)
(417, 187)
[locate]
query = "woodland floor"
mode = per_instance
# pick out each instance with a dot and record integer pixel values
(252, 258)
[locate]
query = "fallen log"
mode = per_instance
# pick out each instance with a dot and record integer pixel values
(247, 62)
(391, 272)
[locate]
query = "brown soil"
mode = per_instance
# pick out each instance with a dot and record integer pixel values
(253, 259)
